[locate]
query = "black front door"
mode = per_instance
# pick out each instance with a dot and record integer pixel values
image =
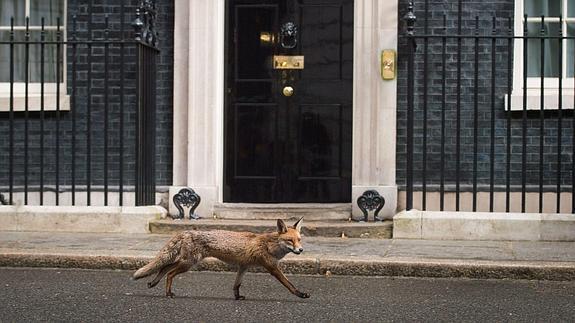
(288, 131)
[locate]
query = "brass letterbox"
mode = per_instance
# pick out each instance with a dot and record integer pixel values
(282, 62)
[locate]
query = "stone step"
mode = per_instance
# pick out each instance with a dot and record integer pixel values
(285, 211)
(374, 230)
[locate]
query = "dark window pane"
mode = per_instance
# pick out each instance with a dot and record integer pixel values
(18, 62)
(551, 51)
(536, 8)
(50, 61)
(12, 8)
(571, 50)
(51, 10)
(35, 61)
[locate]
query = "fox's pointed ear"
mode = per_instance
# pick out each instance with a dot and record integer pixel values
(282, 228)
(298, 224)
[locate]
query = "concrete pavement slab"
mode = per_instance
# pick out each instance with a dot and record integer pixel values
(433, 249)
(337, 256)
(550, 251)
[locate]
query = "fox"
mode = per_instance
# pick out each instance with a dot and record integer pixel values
(241, 249)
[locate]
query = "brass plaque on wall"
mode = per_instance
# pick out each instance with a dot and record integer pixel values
(282, 62)
(388, 59)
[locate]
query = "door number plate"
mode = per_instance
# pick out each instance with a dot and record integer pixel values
(282, 62)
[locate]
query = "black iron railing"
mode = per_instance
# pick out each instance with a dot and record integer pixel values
(464, 133)
(147, 38)
(89, 128)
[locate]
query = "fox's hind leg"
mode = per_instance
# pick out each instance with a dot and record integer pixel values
(180, 268)
(161, 274)
(238, 283)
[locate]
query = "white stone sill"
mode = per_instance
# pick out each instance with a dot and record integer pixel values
(34, 101)
(550, 96)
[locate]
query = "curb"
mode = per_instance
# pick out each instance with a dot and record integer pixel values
(556, 271)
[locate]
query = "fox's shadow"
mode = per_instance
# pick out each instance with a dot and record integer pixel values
(215, 298)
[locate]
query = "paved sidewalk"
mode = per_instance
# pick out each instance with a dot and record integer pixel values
(337, 256)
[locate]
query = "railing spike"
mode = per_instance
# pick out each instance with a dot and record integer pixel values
(410, 19)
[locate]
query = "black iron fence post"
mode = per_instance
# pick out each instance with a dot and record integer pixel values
(11, 167)
(147, 50)
(410, 23)
(559, 117)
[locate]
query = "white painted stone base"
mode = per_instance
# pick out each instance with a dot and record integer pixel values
(466, 202)
(65, 198)
(128, 219)
(389, 193)
(432, 225)
(209, 198)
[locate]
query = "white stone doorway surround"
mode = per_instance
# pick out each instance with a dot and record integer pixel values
(199, 40)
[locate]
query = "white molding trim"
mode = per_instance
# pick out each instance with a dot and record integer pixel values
(534, 83)
(34, 88)
(180, 112)
(374, 103)
(199, 99)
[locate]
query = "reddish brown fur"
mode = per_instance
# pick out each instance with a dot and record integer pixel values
(242, 249)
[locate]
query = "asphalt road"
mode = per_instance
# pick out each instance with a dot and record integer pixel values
(97, 296)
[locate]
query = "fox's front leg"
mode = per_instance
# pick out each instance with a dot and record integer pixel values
(277, 273)
(238, 283)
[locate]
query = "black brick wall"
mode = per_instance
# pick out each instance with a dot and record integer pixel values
(502, 9)
(96, 13)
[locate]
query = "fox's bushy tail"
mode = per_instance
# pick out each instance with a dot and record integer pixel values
(166, 256)
(154, 266)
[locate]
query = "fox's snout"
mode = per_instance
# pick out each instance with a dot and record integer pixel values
(297, 251)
